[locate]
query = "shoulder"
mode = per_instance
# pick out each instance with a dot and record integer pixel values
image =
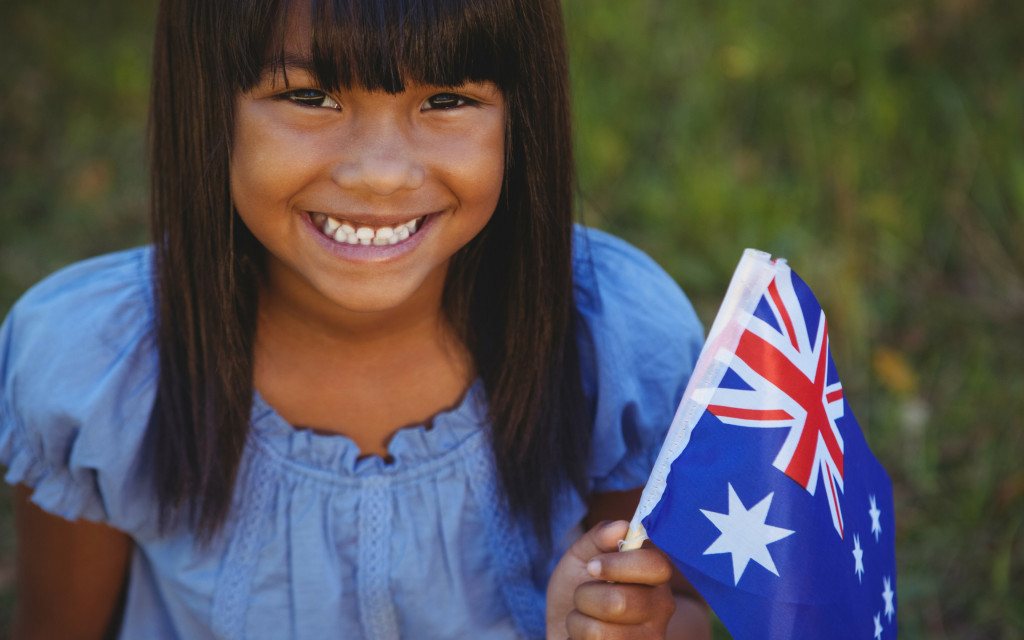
(66, 330)
(89, 286)
(77, 371)
(639, 339)
(626, 300)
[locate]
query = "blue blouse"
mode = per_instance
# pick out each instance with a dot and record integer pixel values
(320, 543)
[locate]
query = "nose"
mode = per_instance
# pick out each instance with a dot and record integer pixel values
(382, 161)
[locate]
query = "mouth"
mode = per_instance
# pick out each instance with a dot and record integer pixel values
(348, 232)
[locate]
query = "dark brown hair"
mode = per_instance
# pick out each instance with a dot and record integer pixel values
(509, 291)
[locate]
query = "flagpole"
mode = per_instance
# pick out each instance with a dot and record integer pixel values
(634, 538)
(753, 273)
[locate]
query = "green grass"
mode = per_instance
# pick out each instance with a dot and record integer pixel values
(876, 145)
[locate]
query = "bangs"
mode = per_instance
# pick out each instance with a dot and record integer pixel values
(384, 44)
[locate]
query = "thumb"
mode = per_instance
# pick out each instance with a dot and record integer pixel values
(604, 537)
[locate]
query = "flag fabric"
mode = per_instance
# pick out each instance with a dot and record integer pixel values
(765, 494)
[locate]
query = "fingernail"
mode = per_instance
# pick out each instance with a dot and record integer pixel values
(594, 568)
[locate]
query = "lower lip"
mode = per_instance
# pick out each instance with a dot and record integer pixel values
(370, 252)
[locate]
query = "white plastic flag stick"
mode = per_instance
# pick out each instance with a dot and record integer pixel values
(753, 274)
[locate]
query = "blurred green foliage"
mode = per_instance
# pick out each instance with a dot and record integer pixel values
(73, 100)
(878, 146)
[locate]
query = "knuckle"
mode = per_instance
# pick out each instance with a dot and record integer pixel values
(615, 602)
(667, 605)
(603, 600)
(667, 568)
(659, 566)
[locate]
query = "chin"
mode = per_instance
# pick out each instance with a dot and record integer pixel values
(376, 298)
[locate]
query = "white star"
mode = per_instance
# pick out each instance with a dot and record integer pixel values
(858, 558)
(876, 526)
(745, 534)
(878, 625)
(887, 595)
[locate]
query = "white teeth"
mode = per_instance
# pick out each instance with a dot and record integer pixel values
(345, 232)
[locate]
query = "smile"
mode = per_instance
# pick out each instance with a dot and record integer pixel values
(347, 232)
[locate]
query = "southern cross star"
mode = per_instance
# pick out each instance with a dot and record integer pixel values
(887, 595)
(858, 558)
(876, 525)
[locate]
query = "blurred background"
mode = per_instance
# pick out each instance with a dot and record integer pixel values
(876, 145)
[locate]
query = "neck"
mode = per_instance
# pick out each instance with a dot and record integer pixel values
(361, 374)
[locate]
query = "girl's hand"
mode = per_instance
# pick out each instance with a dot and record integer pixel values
(598, 592)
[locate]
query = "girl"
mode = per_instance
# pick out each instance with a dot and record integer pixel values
(369, 381)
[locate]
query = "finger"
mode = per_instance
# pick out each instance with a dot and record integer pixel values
(583, 627)
(602, 538)
(646, 566)
(624, 603)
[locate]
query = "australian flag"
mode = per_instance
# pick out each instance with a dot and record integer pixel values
(766, 495)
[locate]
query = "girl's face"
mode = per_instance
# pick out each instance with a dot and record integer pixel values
(361, 198)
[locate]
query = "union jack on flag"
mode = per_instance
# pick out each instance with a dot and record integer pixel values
(734, 497)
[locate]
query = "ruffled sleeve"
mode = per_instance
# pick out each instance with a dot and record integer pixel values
(77, 374)
(639, 339)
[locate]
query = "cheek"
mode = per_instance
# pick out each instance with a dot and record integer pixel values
(497, 155)
(248, 164)
(483, 167)
(266, 163)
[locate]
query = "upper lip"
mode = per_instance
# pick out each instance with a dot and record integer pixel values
(375, 219)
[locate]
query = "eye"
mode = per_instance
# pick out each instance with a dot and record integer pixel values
(310, 98)
(447, 101)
